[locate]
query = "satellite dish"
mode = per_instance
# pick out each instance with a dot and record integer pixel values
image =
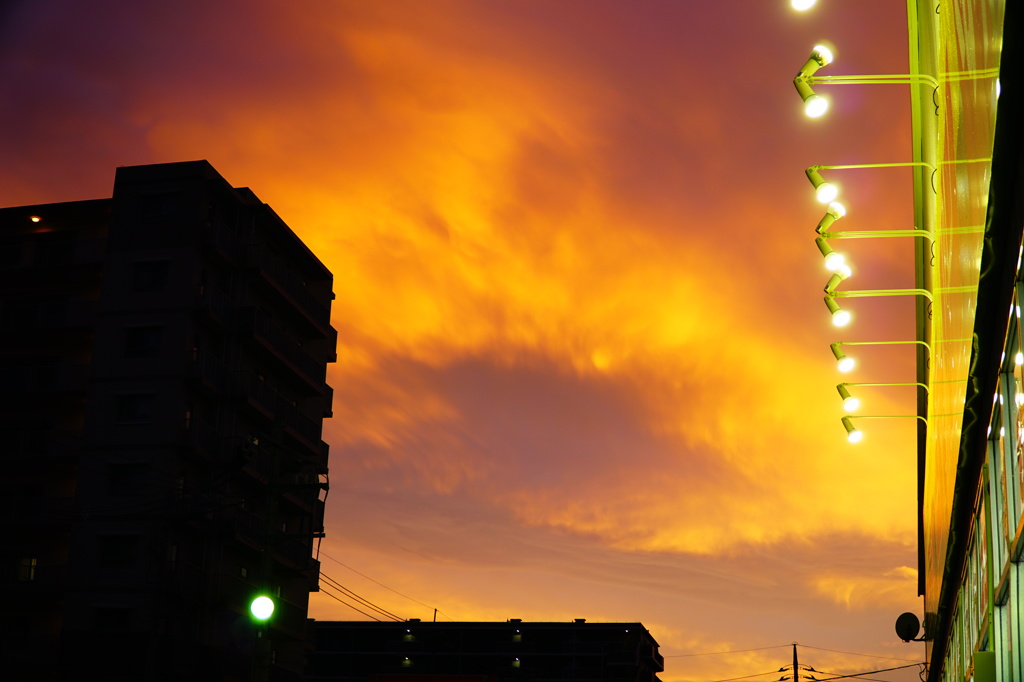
(907, 627)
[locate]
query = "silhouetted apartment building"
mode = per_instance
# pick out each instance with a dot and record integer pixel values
(162, 388)
(414, 651)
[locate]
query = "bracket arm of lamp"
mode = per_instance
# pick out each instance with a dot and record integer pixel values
(870, 234)
(865, 293)
(854, 435)
(846, 363)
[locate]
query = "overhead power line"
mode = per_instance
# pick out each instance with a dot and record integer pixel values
(337, 598)
(747, 677)
(366, 602)
(325, 554)
(868, 672)
(734, 651)
(851, 653)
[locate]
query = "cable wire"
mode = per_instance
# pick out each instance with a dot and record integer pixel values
(851, 653)
(747, 677)
(868, 672)
(384, 586)
(337, 598)
(366, 602)
(735, 651)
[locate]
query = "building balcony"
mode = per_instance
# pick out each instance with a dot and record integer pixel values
(203, 439)
(282, 279)
(209, 371)
(222, 241)
(216, 305)
(262, 396)
(282, 347)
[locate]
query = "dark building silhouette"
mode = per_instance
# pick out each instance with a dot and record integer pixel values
(414, 651)
(162, 388)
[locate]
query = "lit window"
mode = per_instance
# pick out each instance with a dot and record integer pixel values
(27, 569)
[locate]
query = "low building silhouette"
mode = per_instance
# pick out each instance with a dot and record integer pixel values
(415, 651)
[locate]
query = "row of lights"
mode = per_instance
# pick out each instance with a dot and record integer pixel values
(827, 193)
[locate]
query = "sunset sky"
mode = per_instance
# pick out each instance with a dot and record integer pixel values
(583, 360)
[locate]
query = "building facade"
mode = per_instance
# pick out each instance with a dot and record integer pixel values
(414, 651)
(163, 363)
(967, 113)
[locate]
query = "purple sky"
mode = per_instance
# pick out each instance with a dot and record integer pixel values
(583, 365)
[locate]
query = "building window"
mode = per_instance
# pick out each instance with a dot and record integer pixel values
(135, 408)
(27, 569)
(142, 342)
(150, 275)
(172, 557)
(126, 479)
(119, 551)
(163, 207)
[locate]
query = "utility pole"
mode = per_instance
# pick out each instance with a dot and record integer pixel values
(796, 669)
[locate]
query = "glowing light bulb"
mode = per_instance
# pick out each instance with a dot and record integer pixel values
(824, 55)
(855, 436)
(837, 209)
(801, 5)
(815, 106)
(826, 192)
(262, 607)
(1019, 359)
(851, 404)
(846, 363)
(845, 270)
(841, 318)
(834, 261)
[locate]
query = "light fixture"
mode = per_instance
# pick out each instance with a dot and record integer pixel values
(34, 218)
(855, 435)
(834, 212)
(833, 260)
(837, 277)
(867, 293)
(843, 361)
(840, 317)
(826, 192)
(850, 403)
(801, 5)
(873, 234)
(814, 105)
